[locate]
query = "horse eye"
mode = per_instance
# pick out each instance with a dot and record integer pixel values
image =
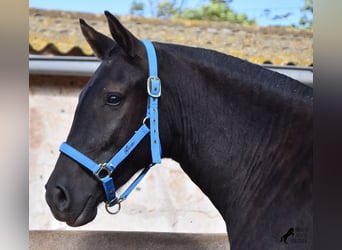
(113, 100)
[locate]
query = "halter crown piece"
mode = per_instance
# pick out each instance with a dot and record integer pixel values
(103, 171)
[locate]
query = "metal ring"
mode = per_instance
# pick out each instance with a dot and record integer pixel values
(116, 211)
(145, 119)
(102, 167)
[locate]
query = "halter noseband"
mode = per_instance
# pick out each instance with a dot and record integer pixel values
(103, 171)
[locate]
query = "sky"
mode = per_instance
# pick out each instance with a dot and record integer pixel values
(265, 12)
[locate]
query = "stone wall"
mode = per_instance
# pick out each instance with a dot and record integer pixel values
(165, 201)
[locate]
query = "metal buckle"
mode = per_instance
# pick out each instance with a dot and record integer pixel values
(103, 167)
(153, 92)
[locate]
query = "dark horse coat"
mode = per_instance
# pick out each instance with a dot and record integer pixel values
(242, 133)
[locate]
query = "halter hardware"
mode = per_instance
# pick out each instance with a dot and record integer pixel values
(154, 86)
(103, 171)
(103, 168)
(117, 203)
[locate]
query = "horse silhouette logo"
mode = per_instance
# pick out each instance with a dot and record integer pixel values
(288, 234)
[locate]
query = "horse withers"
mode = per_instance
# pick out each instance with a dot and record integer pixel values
(242, 133)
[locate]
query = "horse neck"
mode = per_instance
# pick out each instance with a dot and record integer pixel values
(233, 134)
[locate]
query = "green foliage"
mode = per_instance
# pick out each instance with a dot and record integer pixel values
(166, 9)
(216, 11)
(213, 10)
(308, 5)
(306, 21)
(137, 8)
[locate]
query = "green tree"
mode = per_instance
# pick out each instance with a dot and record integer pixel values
(216, 10)
(137, 8)
(307, 9)
(166, 9)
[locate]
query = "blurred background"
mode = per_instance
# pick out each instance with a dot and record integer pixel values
(296, 13)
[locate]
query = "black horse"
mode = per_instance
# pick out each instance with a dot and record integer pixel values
(242, 133)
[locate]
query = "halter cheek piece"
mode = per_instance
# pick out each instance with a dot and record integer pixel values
(103, 171)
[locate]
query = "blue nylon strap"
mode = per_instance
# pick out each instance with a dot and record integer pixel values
(155, 141)
(128, 147)
(109, 188)
(79, 157)
(154, 91)
(131, 187)
(152, 57)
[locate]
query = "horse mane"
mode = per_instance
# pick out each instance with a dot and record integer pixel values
(246, 76)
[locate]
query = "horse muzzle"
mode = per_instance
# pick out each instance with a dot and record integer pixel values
(60, 204)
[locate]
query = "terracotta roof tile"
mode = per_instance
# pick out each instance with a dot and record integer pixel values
(58, 33)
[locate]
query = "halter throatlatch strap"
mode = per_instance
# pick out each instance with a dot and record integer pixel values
(103, 171)
(154, 92)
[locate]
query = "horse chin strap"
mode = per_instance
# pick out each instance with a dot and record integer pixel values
(103, 171)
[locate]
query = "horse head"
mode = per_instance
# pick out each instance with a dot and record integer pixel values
(111, 106)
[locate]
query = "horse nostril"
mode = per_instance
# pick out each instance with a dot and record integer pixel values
(60, 198)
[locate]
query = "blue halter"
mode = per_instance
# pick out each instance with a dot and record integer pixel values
(103, 171)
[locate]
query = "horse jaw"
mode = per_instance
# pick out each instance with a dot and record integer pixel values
(87, 214)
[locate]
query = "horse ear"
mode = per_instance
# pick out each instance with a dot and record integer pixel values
(125, 39)
(100, 43)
